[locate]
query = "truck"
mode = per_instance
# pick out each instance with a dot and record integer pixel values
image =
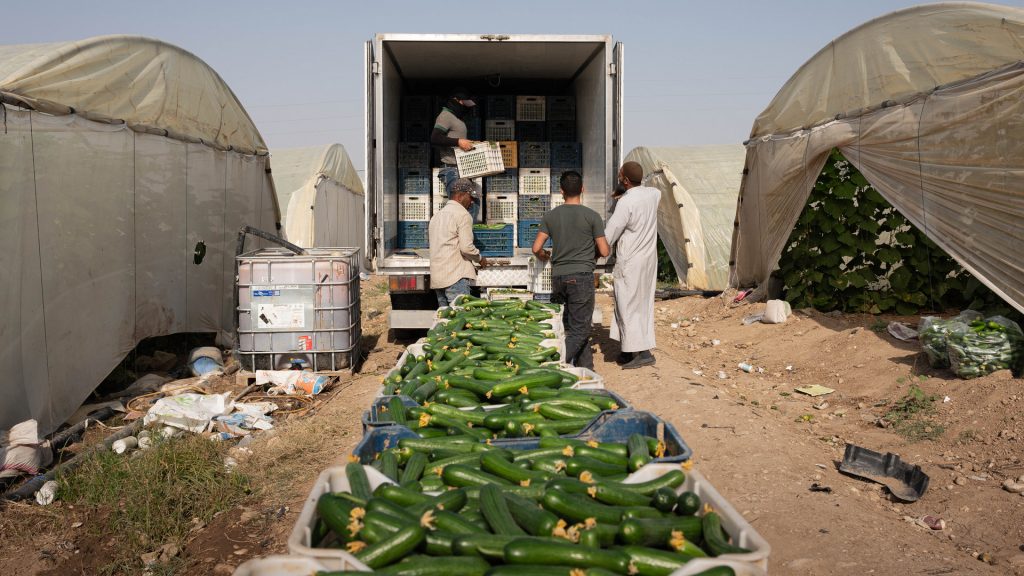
(399, 66)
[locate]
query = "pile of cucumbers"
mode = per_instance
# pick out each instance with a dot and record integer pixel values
(472, 509)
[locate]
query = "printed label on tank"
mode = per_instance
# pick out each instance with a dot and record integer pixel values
(258, 293)
(280, 316)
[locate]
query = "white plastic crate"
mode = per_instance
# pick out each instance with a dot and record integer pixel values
(498, 294)
(501, 208)
(281, 565)
(413, 207)
(300, 540)
(440, 196)
(530, 108)
(540, 276)
(483, 160)
(499, 130)
(535, 181)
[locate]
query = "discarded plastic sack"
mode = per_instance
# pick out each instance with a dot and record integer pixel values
(191, 412)
(901, 331)
(22, 451)
(776, 312)
(47, 493)
(292, 381)
(205, 360)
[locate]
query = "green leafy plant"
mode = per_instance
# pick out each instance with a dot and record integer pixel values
(911, 415)
(666, 271)
(852, 251)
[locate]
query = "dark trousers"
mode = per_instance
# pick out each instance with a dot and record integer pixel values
(576, 293)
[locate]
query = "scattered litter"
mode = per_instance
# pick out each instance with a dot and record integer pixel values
(816, 487)
(905, 481)
(789, 368)
(722, 375)
(698, 372)
(76, 524)
(752, 318)
(47, 493)
(821, 406)
(932, 522)
(230, 462)
(741, 295)
(205, 360)
(191, 412)
(674, 325)
(815, 390)
(124, 444)
(776, 312)
(291, 381)
(22, 451)
(1013, 487)
(748, 368)
(716, 342)
(946, 400)
(145, 439)
(902, 331)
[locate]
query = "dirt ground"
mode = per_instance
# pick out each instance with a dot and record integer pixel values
(758, 441)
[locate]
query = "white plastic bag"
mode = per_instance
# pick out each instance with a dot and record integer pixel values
(776, 312)
(191, 412)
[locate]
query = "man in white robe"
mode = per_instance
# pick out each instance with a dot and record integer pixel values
(633, 230)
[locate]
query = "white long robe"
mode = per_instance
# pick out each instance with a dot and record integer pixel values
(634, 225)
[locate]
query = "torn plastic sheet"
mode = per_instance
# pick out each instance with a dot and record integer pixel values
(191, 412)
(292, 381)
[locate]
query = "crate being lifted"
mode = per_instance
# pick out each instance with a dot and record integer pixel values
(483, 160)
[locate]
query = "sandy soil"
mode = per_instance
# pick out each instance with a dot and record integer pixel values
(759, 442)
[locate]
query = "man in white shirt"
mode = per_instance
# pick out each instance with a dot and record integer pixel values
(452, 253)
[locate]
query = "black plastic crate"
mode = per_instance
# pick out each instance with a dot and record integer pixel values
(413, 235)
(534, 154)
(562, 130)
(531, 131)
(474, 127)
(533, 207)
(507, 183)
(417, 130)
(566, 156)
(561, 108)
(414, 155)
(417, 108)
(501, 107)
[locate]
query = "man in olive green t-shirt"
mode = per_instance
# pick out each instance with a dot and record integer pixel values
(577, 238)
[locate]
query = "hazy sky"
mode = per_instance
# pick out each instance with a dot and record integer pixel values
(696, 72)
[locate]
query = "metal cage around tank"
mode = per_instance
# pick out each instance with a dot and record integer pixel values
(299, 309)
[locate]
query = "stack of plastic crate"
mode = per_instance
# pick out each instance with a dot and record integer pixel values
(531, 112)
(413, 199)
(565, 156)
(439, 194)
(506, 183)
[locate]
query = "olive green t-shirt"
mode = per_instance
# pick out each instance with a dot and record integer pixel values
(572, 228)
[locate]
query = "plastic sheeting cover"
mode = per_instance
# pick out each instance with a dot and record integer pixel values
(141, 81)
(950, 159)
(322, 196)
(699, 186)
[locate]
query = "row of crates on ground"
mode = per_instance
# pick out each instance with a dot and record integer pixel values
(496, 107)
(544, 154)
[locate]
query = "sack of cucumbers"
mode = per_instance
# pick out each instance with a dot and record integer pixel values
(566, 507)
(985, 346)
(934, 335)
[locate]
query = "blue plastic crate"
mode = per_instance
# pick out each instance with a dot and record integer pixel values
(561, 130)
(507, 183)
(380, 439)
(528, 233)
(501, 107)
(618, 426)
(414, 180)
(531, 131)
(561, 108)
(566, 156)
(498, 243)
(377, 415)
(413, 235)
(535, 154)
(533, 207)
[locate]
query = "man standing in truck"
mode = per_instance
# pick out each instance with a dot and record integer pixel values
(449, 133)
(452, 252)
(633, 230)
(577, 238)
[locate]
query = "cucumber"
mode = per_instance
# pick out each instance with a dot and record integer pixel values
(459, 475)
(440, 566)
(490, 546)
(335, 513)
(671, 479)
(532, 518)
(450, 500)
(551, 465)
(561, 553)
(577, 508)
(358, 484)
(617, 494)
(651, 562)
(389, 465)
(541, 393)
(687, 504)
(414, 468)
(558, 412)
(590, 539)
(512, 385)
(497, 464)
(396, 408)
(664, 499)
(389, 508)
(602, 455)
(658, 531)
(531, 570)
(399, 495)
(424, 391)
(476, 417)
(639, 453)
(433, 468)
(495, 510)
(564, 426)
(454, 523)
(619, 449)
(401, 544)
(603, 401)
(716, 540)
(578, 464)
(526, 455)
(378, 527)
(475, 386)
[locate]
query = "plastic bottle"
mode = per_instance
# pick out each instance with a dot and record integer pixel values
(748, 368)
(124, 444)
(145, 439)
